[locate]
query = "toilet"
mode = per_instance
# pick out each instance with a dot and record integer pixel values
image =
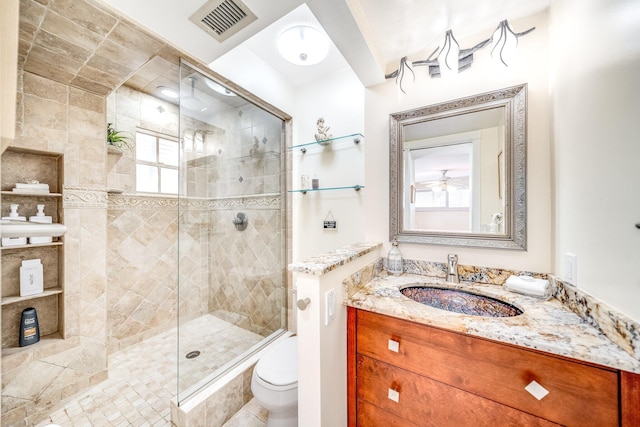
(275, 383)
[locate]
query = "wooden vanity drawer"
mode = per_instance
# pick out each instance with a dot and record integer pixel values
(425, 402)
(579, 394)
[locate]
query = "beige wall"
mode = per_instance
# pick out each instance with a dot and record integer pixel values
(9, 12)
(57, 118)
(484, 75)
(595, 82)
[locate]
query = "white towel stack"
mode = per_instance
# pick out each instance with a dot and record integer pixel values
(31, 188)
(527, 285)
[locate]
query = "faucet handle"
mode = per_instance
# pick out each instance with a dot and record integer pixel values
(452, 269)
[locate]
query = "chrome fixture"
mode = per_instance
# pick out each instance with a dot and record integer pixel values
(241, 221)
(442, 60)
(452, 269)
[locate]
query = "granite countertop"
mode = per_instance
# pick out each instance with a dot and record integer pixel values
(545, 325)
(322, 264)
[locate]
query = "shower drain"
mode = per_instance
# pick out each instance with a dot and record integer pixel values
(192, 354)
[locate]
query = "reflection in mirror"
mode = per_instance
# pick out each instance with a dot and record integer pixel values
(457, 172)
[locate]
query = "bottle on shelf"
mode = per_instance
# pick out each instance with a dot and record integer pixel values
(394, 260)
(41, 218)
(29, 327)
(14, 216)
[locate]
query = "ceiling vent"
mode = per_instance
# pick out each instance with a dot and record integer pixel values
(223, 18)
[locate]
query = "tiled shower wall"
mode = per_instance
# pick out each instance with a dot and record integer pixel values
(142, 284)
(236, 275)
(247, 277)
(243, 172)
(58, 118)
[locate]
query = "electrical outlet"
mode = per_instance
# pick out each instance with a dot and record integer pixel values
(571, 268)
(330, 306)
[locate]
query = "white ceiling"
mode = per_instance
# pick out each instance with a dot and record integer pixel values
(368, 35)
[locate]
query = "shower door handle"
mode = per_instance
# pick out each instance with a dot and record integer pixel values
(303, 303)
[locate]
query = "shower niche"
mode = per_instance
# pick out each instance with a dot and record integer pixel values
(19, 166)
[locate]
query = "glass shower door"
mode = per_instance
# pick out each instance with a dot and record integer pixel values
(232, 234)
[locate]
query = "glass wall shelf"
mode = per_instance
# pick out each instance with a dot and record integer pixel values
(350, 187)
(356, 137)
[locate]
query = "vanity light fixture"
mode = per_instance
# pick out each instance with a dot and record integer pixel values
(448, 55)
(303, 45)
(217, 87)
(505, 41)
(442, 60)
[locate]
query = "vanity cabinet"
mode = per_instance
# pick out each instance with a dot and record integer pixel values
(404, 373)
(18, 166)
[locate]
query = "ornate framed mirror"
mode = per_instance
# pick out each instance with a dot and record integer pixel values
(457, 171)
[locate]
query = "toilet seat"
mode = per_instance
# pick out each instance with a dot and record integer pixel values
(279, 365)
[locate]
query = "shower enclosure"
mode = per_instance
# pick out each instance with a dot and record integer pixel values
(231, 229)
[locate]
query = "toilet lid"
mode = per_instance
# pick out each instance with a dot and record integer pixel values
(279, 364)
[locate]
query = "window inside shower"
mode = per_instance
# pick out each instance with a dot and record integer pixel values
(231, 229)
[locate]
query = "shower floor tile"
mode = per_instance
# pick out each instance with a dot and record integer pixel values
(142, 378)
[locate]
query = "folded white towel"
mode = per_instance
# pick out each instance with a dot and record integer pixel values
(38, 186)
(527, 285)
(30, 191)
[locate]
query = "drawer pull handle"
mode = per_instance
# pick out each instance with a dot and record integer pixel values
(394, 395)
(394, 346)
(536, 390)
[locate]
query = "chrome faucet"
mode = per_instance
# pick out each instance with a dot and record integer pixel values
(452, 269)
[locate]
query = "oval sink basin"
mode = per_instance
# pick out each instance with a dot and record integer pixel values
(460, 301)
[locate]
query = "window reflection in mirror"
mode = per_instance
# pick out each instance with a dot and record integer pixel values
(454, 177)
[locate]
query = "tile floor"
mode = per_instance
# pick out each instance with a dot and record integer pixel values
(142, 378)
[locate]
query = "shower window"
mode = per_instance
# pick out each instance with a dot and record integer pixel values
(157, 160)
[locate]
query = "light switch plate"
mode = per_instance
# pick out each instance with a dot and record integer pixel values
(330, 306)
(571, 268)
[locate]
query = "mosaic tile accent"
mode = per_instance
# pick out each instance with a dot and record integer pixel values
(83, 197)
(329, 261)
(137, 201)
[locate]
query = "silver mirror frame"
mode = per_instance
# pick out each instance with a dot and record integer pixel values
(514, 100)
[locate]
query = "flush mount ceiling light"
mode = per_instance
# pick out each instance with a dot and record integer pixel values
(216, 87)
(168, 92)
(303, 45)
(443, 59)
